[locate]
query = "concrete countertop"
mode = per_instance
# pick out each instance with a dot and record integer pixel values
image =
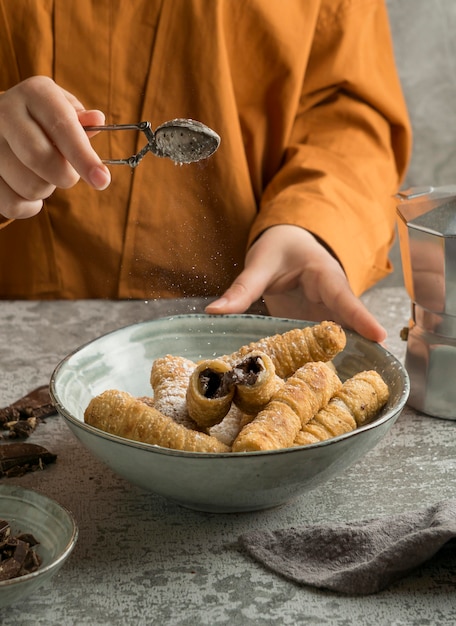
(143, 560)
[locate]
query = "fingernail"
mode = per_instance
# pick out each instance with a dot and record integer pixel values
(100, 177)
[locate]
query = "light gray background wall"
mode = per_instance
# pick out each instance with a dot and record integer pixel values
(424, 35)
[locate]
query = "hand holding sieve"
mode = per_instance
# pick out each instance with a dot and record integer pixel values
(181, 140)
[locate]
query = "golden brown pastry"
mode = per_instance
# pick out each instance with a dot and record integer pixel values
(357, 402)
(364, 395)
(169, 379)
(290, 408)
(273, 428)
(210, 392)
(119, 413)
(291, 350)
(256, 381)
(147, 400)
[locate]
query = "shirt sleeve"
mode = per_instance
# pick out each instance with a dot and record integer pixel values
(350, 144)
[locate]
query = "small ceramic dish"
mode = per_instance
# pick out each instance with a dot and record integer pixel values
(54, 528)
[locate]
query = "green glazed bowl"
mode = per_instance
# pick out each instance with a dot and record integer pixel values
(230, 482)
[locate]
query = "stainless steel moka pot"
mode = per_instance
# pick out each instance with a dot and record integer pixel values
(426, 220)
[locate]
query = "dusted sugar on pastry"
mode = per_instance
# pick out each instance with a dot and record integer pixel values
(228, 429)
(291, 407)
(291, 350)
(255, 381)
(169, 378)
(357, 402)
(210, 392)
(119, 413)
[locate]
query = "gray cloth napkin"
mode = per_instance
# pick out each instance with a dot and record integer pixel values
(356, 558)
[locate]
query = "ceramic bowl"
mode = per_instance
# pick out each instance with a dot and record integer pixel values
(231, 482)
(54, 527)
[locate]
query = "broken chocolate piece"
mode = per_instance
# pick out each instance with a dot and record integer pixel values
(37, 403)
(22, 428)
(16, 459)
(17, 556)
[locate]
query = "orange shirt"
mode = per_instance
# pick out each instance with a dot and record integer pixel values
(304, 95)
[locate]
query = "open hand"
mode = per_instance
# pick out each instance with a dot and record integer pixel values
(298, 278)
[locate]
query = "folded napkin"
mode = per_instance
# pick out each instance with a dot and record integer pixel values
(355, 558)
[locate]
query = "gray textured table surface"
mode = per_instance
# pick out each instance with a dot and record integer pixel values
(143, 560)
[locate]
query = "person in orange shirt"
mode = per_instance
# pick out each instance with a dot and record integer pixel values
(297, 204)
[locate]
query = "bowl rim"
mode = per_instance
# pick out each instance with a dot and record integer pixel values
(8, 490)
(388, 415)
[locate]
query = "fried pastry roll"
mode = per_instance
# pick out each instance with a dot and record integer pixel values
(356, 403)
(149, 400)
(256, 381)
(210, 392)
(228, 429)
(273, 428)
(364, 395)
(291, 350)
(291, 407)
(119, 413)
(169, 378)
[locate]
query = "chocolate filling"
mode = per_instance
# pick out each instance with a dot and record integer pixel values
(219, 384)
(214, 384)
(247, 371)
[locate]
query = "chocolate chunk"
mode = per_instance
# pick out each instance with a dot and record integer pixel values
(21, 429)
(4, 530)
(16, 554)
(37, 403)
(18, 458)
(28, 538)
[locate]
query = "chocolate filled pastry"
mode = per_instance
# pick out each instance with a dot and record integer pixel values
(210, 392)
(291, 350)
(291, 407)
(169, 378)
(357, 402)
(119, 413)
(256, 381)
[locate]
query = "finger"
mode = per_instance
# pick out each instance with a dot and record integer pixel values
(297, 307)
(246, 289)
(353, 313)
(91, 118)
(70, 138)
(22, 181)
(13, 206)
(364, 323)
(87, 117)
(48, 138)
